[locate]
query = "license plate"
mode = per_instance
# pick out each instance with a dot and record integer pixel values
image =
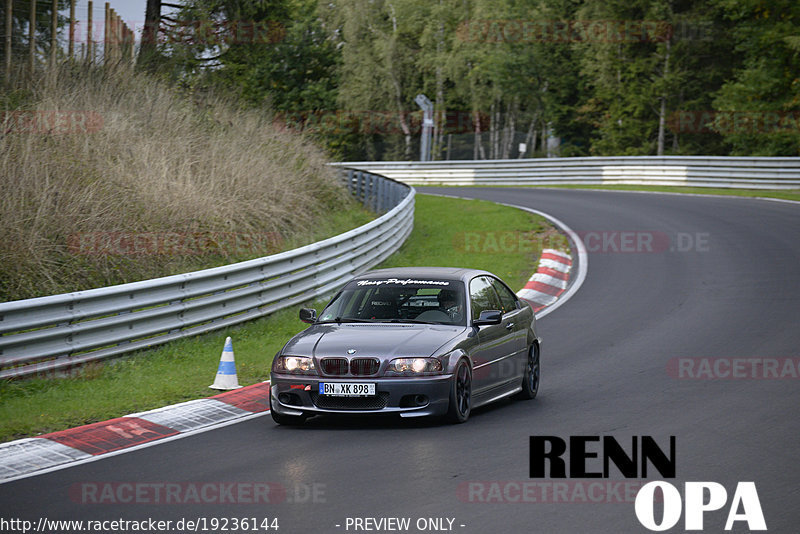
(347, 389)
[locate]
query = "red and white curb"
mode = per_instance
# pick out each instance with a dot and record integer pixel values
(31, 456)
(550, 280)
(579, 268)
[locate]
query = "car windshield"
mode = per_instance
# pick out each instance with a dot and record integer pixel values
(429, 301)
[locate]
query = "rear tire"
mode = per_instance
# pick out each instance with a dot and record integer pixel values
(460, 394)
(281, 419)
(532, 375)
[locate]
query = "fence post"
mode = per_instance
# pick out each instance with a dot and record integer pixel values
(53, 33)
(117, 38)
(106, 33)
(89, 41)
(71, 50)
(32, 38)
(9, 7)
(112, 35)
(132, 36)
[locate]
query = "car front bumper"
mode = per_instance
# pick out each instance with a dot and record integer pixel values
(407, 397)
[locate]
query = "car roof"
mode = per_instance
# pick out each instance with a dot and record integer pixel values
(442, 273)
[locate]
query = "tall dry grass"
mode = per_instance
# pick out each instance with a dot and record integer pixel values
(162, 162)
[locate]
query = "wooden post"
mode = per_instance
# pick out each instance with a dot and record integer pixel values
(123, 40)
(71, 51)
(53, 34)
(32, 38)
(131, 46)
(127, 37)
(112, 43)
(9, 6)
(117, 36)
(118, 27)
(89, 36)
(106, 32)
(117, 40)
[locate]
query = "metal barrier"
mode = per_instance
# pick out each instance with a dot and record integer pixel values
(698, 171)
(60, 331)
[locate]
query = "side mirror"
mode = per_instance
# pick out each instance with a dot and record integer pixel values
(488, 317)
(308, 315)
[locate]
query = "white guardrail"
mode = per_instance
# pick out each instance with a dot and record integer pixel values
(54, 333)
(698, 171)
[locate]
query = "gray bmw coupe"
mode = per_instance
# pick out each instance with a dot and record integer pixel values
(415, 342)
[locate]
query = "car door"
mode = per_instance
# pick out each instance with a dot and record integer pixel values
(515, 318)
(495, 342)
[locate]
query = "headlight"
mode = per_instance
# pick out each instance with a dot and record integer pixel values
(415, 366)
(301, 365)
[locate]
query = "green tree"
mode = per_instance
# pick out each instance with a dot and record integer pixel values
(379, 78)
(608, 77)
(631, 70)
(226, 36)
(759, 107)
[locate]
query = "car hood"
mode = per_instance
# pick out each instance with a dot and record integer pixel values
(377, 340)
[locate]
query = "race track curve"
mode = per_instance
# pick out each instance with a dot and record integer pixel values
(729, 288)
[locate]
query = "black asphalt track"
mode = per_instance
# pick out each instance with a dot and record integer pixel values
(605, 360)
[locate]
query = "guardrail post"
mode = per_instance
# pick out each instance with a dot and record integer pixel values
(373, 192)
(381, 199)
(359, 186)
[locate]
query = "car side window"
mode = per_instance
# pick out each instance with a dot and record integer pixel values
(507, 298)
(482, 296)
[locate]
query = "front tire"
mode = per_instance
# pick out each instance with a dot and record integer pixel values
(532, 375)
(281, 419)
(460, 394)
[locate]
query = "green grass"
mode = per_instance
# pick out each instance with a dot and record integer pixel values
(789, 194)
(476, 234)
(183, 370)
(333, 223)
